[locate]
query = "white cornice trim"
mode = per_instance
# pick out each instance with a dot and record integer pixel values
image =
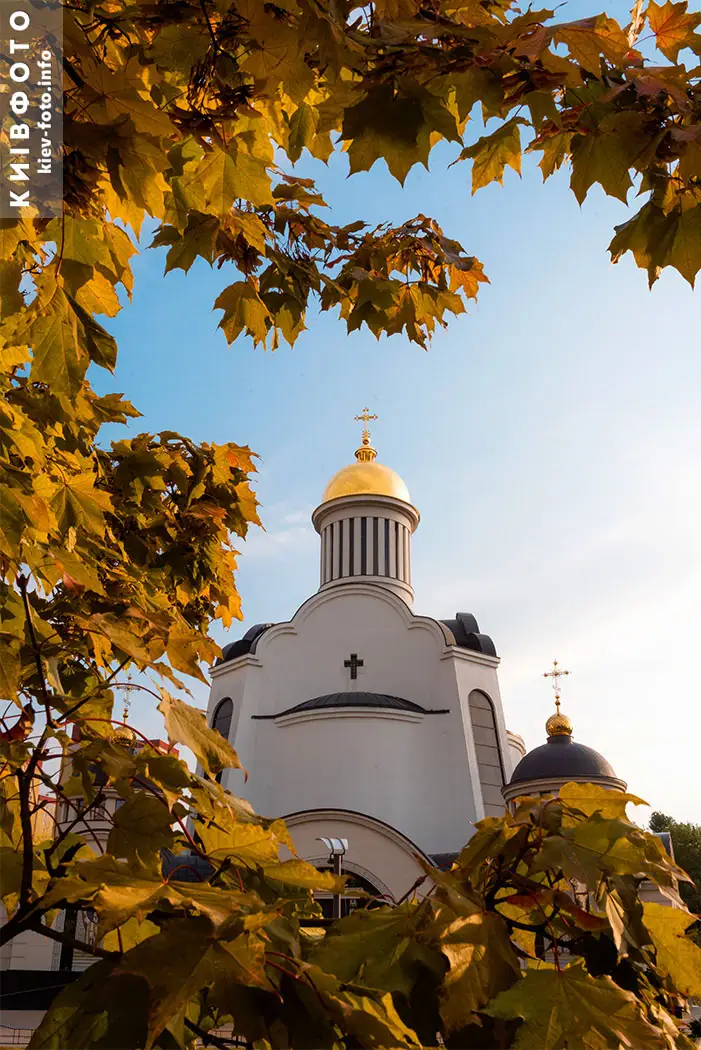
(247, 660)
(552, 785)
(365, 499)
(456, 652)
(391, 713)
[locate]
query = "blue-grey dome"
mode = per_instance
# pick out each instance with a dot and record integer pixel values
(560, 758)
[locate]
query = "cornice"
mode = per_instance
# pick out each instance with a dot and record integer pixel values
(388, 713)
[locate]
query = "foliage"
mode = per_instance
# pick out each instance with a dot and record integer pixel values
(686, 842)
(536, 938)
(117, 558)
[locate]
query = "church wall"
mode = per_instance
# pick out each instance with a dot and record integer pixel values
(415, 776)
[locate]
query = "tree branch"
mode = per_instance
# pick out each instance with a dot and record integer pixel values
(72, 942)
(22, 584)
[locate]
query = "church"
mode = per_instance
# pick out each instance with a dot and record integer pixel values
(364, 722)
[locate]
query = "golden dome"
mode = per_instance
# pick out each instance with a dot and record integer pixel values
(366, 478)
(124, 735)
(558, 724)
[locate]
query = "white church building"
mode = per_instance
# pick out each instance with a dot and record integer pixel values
(361, 719)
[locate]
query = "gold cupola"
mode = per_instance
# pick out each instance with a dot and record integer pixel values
(365, 521)
(558, 724)
(366, 477)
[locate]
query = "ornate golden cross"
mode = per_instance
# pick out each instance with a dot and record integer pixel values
(365, 418)
(556, 674)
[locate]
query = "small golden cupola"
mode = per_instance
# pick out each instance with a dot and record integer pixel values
(365, 521)
(366, 477)
(558, 724)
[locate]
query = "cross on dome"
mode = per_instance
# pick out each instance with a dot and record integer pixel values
(365, 418)
(366, 453)
(556, 674)
(558, 724)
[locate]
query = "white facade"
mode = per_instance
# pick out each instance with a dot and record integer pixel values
(404, 736)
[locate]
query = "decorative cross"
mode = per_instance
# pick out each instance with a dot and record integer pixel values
(365, 418)
(354, 663)
(556, 674)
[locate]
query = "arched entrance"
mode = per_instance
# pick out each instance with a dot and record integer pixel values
(379, 858)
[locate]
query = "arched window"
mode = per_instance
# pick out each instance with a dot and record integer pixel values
(221, 722)
(223, 714)
(489, 758)
(349, 904)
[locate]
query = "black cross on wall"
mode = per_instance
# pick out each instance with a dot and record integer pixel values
(354, 663)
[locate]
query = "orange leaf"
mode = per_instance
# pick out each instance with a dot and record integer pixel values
(673, 27)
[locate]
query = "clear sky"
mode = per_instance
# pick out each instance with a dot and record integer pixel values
(550, 439)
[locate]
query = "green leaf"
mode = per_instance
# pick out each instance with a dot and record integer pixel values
(58, 359)
(197, 240)
(607, 155)
(370, 1017)
(685, 249)
(378, 948)
(304, 124)
(492, 153)
(555, 147)
(384, 125)
(481, 963)
(141, 828)
(76, 501)
(89, 1013)
(185, 725)
(568, 1007)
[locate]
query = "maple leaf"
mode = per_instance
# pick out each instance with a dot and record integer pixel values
(590, 39)
(569, 1007)
(685, 248)
(673, 27)
(677, 955)
(607, 155)
(188, 726)
(491, 154)
(244, 311)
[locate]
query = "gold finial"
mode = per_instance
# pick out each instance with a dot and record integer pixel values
(558, 724)
(366, 453)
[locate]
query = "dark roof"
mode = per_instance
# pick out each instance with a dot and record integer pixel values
(381, 700)
(561, 757)
(444, 861)
(467, 634)
(244, 645)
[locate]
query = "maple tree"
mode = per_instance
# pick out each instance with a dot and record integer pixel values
(116, 557)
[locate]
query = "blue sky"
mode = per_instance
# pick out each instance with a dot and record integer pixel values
(550, 439)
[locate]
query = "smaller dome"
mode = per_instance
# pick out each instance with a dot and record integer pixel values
(558, 725)
(124, 735)
(366, 478)
(561, 758)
